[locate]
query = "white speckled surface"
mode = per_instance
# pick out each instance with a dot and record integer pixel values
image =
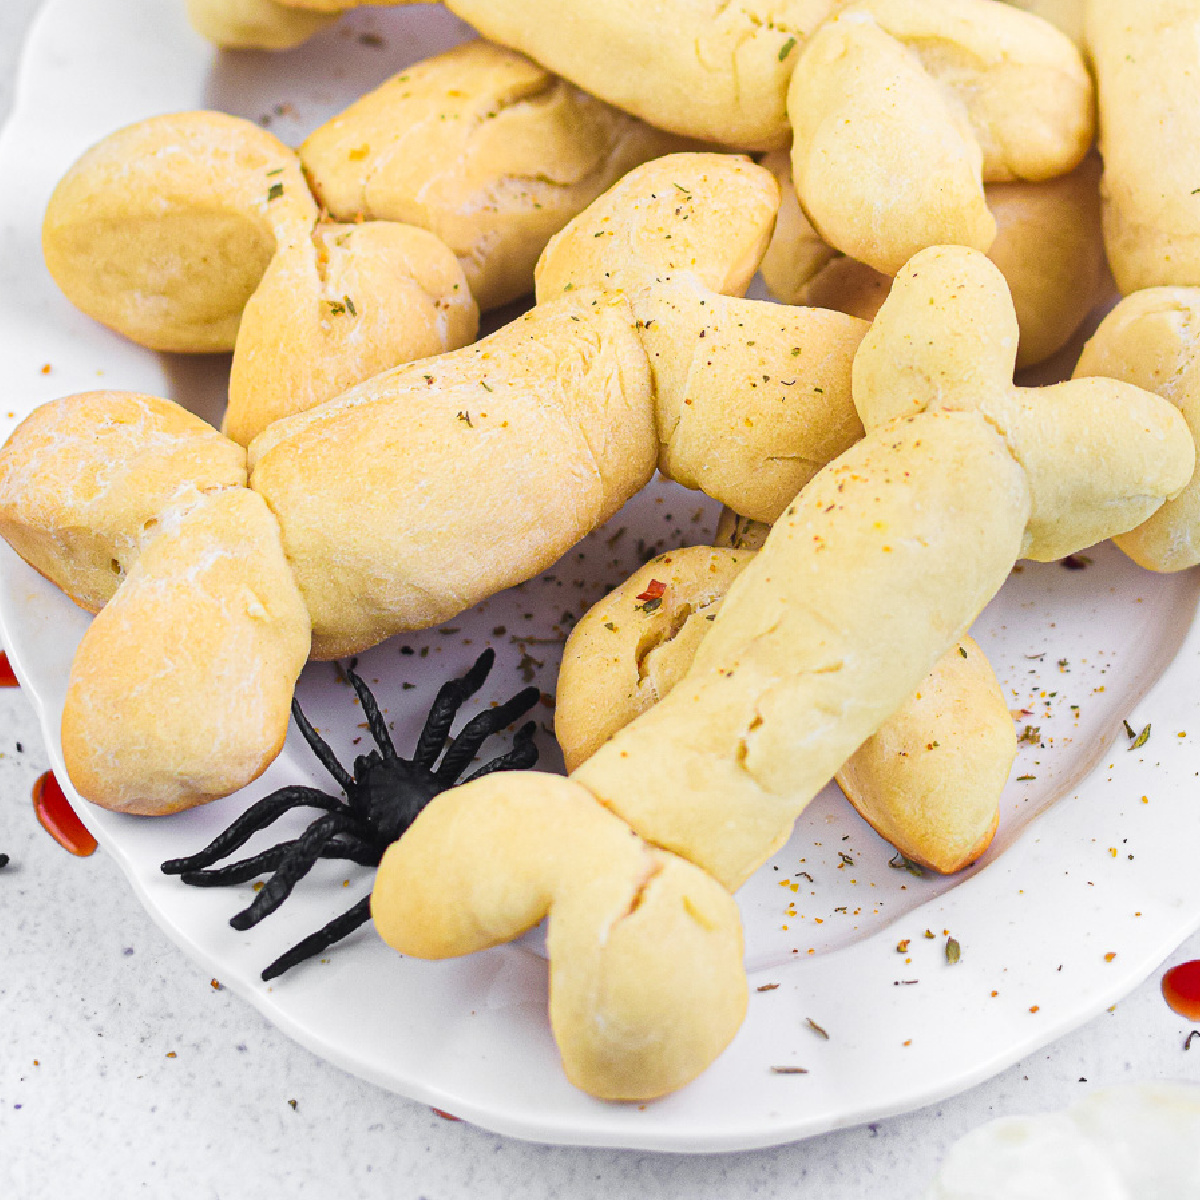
(94, 999)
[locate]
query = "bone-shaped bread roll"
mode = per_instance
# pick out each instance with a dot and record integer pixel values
(197, 232)
(866, 580)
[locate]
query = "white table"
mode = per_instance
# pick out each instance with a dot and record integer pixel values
(124, 1070)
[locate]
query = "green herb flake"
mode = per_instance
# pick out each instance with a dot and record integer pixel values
(1031, 735)
(953, 951)
(650, 605)
(1020, 778)
(684, 190)
(1140, 740)
(465, 418)
(899, 863)
(274, 192)
(963, 651)
(350, 306)
(787, 48)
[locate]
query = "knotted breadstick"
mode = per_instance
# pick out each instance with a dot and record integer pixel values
(874, 571)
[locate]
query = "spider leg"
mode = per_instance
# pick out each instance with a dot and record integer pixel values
(522, 755)
(325, 937)
(375, 721)
(270, 860)
(298, 863)
(450, 699)
(258, 816)
(478, 729)
(321, 749)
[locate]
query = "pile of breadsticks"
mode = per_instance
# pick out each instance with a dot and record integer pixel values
(940, 202)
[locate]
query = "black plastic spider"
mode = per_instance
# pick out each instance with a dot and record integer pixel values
(383, 798)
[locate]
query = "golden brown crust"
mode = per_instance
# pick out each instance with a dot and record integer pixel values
(337, 308)
(181, 689)
(1100, 455)
(646, 979)
(85, 478)
(1149, 340)
(929, 780)
(473, 471)
(483, 148)
(163, 230)
(926, 517)
(1146, 58)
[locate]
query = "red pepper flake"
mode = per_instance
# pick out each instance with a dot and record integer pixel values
(438, 1112)
(59, 819)
(655, 590)
(7, 677)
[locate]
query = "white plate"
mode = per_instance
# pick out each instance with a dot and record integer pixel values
(1087, 888)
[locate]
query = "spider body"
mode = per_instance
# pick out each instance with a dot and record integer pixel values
(383, 796)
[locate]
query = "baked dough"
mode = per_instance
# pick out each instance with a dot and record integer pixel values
(928, 780)
(197, 232)
(902, 109)
(1150, 340)
(1146, 59)
(483, 148)
(181, 688)
(1049, 246)
(646, 979)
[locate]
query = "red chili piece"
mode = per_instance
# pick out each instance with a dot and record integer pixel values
(7, 678)
(654, 590)
(1181, 989)
(59, 819)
